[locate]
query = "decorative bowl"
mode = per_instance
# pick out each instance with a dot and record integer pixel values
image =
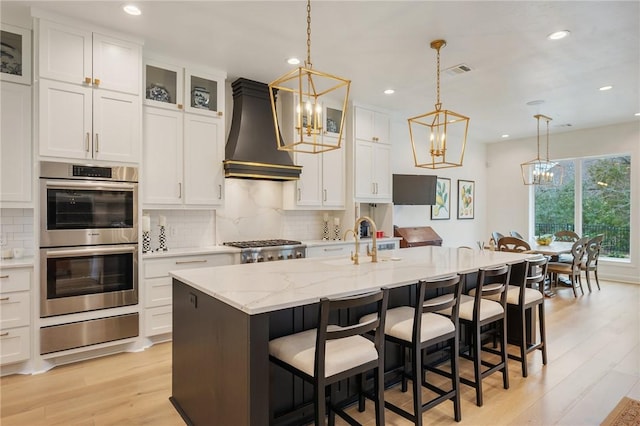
(545, 240)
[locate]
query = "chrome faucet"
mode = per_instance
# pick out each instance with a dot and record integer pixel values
(373, 252)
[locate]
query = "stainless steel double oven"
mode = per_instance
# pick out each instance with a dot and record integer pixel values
(88, 243)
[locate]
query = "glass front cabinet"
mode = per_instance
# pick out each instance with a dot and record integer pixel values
(173, 87)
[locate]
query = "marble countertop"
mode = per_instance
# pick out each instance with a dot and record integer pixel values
(192, 251)
(23, 262)
(264, 287)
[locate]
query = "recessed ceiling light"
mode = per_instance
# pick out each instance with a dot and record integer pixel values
(132, 10)
(603, 88)
(293, 61)
(637, 114)
(558, 35)
(389, 92)
(504, 136)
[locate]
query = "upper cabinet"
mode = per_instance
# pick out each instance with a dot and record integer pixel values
(372, 156)
(322, 183)
(15, 143)
(194, 91)
(89, 104)
(183, 146)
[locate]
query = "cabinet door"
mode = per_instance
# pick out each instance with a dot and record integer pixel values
(116, 64)
(204, 93)
(116, 126)
(203, 156)
(64, 53)
(382, 171)
(381, 127)
(164, 85)
(15, 143)
(162, 156)
(65, 120)
(309, 186)
(364, 124)
(333, 178)
(363, 166)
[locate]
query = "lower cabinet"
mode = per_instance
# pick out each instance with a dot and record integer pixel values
(15, 315)
(158, 285)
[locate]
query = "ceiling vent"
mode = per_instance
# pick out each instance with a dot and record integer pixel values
(458, 69)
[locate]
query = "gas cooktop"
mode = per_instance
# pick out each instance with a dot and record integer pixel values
(262, 243)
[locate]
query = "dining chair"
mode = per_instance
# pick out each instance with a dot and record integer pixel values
(496, 236)
(513, 244)
(331, 353)
(572, 269)
(590, 262)
(516, 234)
(420, 327)
(525, 296)
(477, 312)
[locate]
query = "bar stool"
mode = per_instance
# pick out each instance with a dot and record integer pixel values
(476, 312)
(525, 297)
(331, 353)
(420, 327)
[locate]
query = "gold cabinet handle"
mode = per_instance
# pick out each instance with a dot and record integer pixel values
(87, 145)
(4, 276)
(87, 80)
(5, 334)
(96, 82)
(219, 113)
(183, 262)
(179, 106)
(4, 299)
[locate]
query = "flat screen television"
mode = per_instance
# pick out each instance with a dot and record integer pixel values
(414, 189)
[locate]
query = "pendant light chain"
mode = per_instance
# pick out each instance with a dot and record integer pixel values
(308, 61)
(438, 104)
(539, 139)
(547, 140)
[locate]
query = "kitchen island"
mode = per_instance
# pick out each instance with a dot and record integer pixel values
(224, 317)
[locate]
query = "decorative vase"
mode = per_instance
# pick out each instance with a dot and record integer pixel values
(146, 242)
(325, 230)
(163, 239)
(337, 232)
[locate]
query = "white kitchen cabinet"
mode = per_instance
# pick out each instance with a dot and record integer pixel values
(371, 125)
(322, 183)
(183, 155)
(158, 285)
(82, 57)
(15, 315)
(331, 249)
(372, 156)
(189, 89)
(88, 94)
(15, 143)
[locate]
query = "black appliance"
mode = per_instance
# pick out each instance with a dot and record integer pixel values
(414, 189)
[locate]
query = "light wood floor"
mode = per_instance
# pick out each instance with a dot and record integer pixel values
(594, 360)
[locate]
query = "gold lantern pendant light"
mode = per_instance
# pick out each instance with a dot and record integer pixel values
(542, 171)
(308, 90)
(438, 138)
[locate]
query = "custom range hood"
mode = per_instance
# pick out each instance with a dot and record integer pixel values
(251, 151)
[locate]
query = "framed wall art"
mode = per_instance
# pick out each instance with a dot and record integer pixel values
(466, 199)
(15, 59)
(442, 208)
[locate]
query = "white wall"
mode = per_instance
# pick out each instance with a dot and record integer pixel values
(510, 201)
(453, 232)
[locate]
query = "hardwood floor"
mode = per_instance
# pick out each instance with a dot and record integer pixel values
(594, 360)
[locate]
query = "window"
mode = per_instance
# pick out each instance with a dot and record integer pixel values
(599, 202)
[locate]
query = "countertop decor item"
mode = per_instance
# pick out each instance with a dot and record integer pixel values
(200, 98)
(158, 93)
(311, 89)
(440, 133)
(545, 239)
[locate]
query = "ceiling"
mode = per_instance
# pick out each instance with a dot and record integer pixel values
(385, 44)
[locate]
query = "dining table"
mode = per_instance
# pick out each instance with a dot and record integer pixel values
(553, 250)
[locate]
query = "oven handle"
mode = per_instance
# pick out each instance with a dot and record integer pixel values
(64, 184)
(90, 251)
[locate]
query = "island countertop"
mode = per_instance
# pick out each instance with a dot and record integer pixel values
(265, 287)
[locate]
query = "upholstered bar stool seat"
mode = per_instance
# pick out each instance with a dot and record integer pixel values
(331, 353)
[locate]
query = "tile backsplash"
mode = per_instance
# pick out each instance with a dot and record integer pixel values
(16, 229)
